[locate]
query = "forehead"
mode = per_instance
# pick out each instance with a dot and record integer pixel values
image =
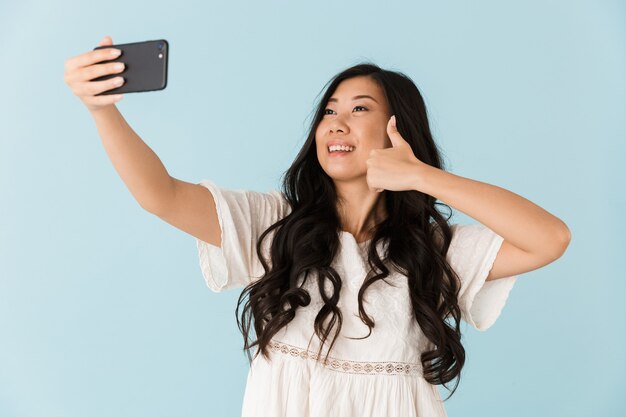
(355, 86)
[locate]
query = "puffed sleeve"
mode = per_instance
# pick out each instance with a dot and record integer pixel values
(471, 254)
(243, 216)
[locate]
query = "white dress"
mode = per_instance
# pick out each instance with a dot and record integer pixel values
(376, 376)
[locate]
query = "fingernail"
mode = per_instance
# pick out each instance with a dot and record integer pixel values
(115, 52)
(393, 120)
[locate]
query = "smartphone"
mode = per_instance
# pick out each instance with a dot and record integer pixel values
(145, 66)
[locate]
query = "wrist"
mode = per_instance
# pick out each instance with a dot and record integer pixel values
(105, 111)
(422, 175)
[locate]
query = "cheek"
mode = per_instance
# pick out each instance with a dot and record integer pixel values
(320, 151)
(318, 147)
(383, 139)
(319, 130)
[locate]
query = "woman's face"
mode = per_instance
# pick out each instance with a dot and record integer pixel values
(359, 122)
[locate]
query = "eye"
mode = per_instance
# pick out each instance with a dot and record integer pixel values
(361, 107)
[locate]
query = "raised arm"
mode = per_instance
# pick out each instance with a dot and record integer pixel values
(187, 206)
(192, 210)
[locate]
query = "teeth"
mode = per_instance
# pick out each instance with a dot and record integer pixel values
(340, 148)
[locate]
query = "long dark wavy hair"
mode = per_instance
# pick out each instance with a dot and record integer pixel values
(307, 240)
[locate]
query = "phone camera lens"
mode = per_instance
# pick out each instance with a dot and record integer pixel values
(160, 46)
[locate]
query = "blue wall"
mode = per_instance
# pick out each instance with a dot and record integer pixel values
(103, 309)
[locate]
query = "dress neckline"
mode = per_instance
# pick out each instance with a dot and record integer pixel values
(354, 239)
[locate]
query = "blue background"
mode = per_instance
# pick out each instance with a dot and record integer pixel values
(103, 308)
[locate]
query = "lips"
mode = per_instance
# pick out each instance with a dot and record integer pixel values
(340, 153)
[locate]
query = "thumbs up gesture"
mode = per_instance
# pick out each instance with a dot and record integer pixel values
(395, 168)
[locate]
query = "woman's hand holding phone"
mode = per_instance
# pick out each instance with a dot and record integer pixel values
(82, 69)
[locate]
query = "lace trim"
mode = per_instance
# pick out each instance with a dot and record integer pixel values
(351, 367)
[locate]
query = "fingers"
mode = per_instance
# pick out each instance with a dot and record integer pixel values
(81, 70)
(392, 130)
(106, 41)
(91, 88)
(391, 124)
(82, 75)
(99, 70)
(90, 58)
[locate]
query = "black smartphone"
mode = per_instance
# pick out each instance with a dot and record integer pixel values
(145, 66)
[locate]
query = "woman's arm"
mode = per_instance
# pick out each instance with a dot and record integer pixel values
(190, 207)
(138, 166)
(186, 206)
(532, 236)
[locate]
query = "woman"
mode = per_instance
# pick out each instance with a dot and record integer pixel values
(354, 282)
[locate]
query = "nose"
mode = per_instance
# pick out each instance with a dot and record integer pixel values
(338, 125)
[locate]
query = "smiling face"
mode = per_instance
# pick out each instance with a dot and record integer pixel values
(355, 120)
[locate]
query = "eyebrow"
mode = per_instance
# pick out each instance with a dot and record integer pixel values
(334, 100)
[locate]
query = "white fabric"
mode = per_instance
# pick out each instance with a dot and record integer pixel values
(376, 376)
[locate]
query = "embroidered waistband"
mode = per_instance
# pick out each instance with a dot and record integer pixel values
(346, 366)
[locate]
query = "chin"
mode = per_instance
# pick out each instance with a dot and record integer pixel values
(345, 175)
